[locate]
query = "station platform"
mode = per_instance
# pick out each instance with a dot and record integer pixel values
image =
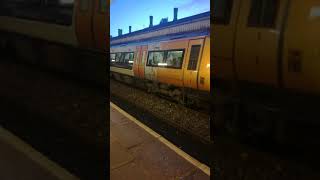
(19, 161)
(138, 153)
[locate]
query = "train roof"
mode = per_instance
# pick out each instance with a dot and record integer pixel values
(164, 38)
(186, 27)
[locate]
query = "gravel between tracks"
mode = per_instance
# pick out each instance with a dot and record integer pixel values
(231, 160)
(189, 120)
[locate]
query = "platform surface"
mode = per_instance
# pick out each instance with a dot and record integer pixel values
(137, 154)
(19, 161)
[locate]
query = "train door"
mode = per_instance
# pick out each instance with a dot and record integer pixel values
(100, 24)
(142, 61)
(136, 61)
(83, 23)
(301, 53)
(258, 39)
(193, 56)
(152, 59)
(225, 20)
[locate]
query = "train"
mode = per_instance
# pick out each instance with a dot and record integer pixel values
(175, 66)
(265, 67)
(65, 35)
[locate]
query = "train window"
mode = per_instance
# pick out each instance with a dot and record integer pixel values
(270, 13)
(84, 5)
(119, 58)
(112, 58)
(263, 13)
(122, 59)
(168, 59)
(194, 56)
(103, 6)
(174, 58)
(128, 58)
(156, 58)
(222, 11)
(254, 16)
(50, 11)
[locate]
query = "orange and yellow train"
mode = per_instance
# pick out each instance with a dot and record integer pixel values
(170, 66)
(69, 35)
(266, 66)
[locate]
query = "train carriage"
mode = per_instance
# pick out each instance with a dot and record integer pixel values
(65, 35)
(170, 59)
(168, 66)
(266, 61)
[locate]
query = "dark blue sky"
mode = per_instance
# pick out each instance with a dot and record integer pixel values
(135, 13)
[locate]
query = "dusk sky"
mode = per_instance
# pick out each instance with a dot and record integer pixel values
(135, 13)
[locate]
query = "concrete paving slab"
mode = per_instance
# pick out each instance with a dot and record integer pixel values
(119, 155)
(153, 156)
(19, 161)
(197, 175)
(130, 135)
(160, 160)
(130, 171)
(117, 118)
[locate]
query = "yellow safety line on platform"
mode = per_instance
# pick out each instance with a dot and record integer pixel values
(181, 153)
(35, 156)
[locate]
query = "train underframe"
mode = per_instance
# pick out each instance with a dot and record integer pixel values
(262, 114)
(198, 100)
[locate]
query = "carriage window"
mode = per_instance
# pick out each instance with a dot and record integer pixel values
(270, 13)
(103, 6)
(119, 58)
(122, 59)
(222, 11)
(168, 59)
(128, 58)
(84, 5)
(156, 58)
(263, 13)
(112, 58)
(194, 56)
(255, 11)
(50, 11)
(174, 59)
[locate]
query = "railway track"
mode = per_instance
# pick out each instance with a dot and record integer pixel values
(186, 128)
(230, 159)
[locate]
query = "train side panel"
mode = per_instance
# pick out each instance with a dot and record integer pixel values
(302, 47)
(35, 29)
(83, 23)
(100, 25)
(223, 36)
(204, 67)
(141, 61)
(257, 42)
(191, 66)
(174, 71)
(120, 70)
(173, 76)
